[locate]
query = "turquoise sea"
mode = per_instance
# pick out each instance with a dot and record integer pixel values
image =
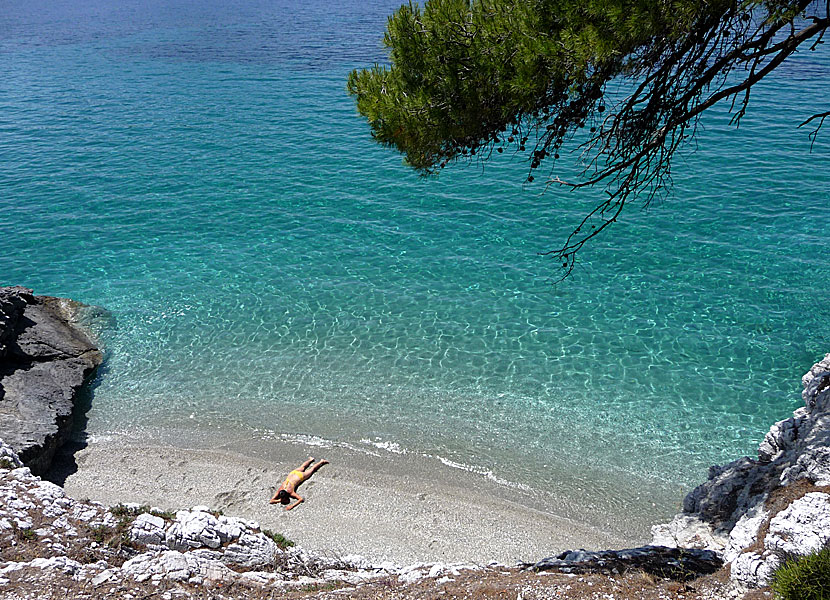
(198, 170)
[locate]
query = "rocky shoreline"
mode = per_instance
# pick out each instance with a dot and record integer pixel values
(93, 544)
(759, 512)
(749, 515)
(52, 543)
(44, 361)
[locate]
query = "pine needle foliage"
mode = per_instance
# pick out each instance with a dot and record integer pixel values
(804, 578)
(467, 78)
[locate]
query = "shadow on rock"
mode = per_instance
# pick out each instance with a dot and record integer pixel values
(64, 464)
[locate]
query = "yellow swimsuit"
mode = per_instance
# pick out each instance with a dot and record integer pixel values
(299, 474)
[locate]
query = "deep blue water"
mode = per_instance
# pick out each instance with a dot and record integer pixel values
(197, 169)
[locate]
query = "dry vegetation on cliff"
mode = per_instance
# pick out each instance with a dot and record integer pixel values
(489, 584)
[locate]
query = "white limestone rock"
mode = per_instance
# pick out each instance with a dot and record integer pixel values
(193, 530)
(251, 550)
(26, 500)
(233, 541)
(171, 565)
(207, 554)
(89, 571)
(745, 532)
(48, 494)
(415, 572)
(412, 576)
(58, 563)
(104, 576)
(687, 531)
(782, 436)
(813, 464)
(815, 383)
(358, 562)
(261, 578)
(749, 570)
(11, 567)
(8, 457)
(350, 577)
(802, 528)
(148, 529)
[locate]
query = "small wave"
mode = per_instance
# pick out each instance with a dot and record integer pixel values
(486, 473)
(393, 447)
(99, 439)
(314, 440)
(110, 435)
(309, 440)
(321, 442)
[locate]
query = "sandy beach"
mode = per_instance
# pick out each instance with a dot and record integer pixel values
(384, 507)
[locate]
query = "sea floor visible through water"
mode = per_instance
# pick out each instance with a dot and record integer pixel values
(264, 271)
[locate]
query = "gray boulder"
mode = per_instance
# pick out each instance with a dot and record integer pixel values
(44, 359)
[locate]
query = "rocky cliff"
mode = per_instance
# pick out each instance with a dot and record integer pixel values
(758, 512)
(44, 360)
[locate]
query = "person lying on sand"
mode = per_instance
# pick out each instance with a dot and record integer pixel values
(289, 487)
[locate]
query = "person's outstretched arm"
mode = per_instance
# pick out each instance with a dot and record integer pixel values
(298, 498)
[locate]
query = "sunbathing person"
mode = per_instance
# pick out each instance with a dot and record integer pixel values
(289, 487)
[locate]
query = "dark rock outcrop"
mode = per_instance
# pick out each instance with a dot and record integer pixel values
(673, 563)
(751, 508)
(44, 360)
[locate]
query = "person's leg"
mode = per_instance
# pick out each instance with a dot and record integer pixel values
(315, 467)
(304, 466)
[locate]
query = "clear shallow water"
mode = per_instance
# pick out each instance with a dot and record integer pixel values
(198, 170)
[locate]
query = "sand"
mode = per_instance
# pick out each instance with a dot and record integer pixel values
(385, 507)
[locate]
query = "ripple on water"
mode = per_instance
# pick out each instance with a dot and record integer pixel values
(200, 172)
